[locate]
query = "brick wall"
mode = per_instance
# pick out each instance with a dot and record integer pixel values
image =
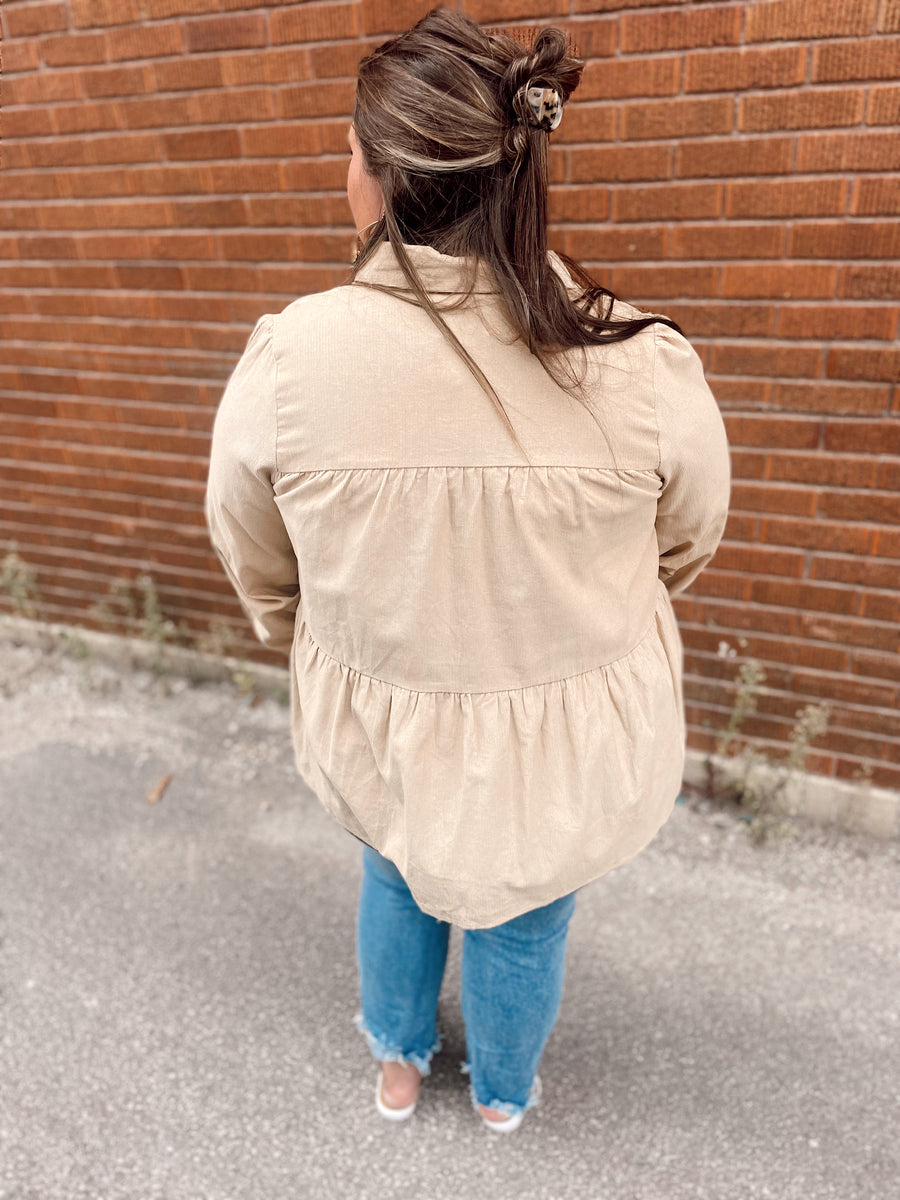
(174, 168)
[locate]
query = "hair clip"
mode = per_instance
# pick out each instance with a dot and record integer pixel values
(545, 106)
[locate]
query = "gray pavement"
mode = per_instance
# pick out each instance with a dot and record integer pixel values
(177, 984)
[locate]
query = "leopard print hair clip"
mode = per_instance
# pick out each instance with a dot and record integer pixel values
(545, 107)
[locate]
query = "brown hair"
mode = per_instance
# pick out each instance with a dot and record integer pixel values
(442, 122)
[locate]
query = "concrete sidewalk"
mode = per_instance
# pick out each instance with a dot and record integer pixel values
(178, 986)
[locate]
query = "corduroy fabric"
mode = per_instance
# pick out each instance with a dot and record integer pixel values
(486, 668)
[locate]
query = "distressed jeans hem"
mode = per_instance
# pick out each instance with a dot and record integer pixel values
(383, 1050)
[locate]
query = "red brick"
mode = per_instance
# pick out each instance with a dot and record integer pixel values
(117, 81)
(592, 38)
(225, 33)
(780, 650)
(42, 87)
(201, 144)
(857, 239)
(231, 106)
(874, 507)
(73, 48)
(875, 437)
(28, 20)
(849, 691)
(889, 16)
(713, 26)
(886, 544)
(391, 16)
(333, 61)
(85, 117)
(870, 283)
(889, 476)
(317, 99)
(743, 394)
(831, 398)
(816, 535)
(88, 14)
(614, 5)
(879, 666)
(620, 163)
(188, 74)
(646, 283)
(823, 469)
(677, 118)
(858, 362)
(843, 322)
(707, 319)
(143, 41)
(802, 110)
(873, 196)
(787, 281)
(179, 8)
(786, 198)
(722, 585)
(773, 430)
(745, 465)
(615, 245)
(884, 106)
(589, 123)
(788, 19)
(506, 10)
(295, 211)
(849, 152)
(682, 201)
(741, 70)
(727, 241)
(805, 596)
(735, 156)
(850, 633)
(247, 177)
(766, 498)
(616, 79)
(866, 60)
(579, 204)
(862, 571)
(19, 56)
(27, 122)
(742, 358)
(761, 560)
(49, 247)
(314, 23)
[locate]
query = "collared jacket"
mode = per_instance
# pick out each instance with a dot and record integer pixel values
(486, 669)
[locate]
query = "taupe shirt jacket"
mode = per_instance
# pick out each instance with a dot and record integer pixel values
(486, 668)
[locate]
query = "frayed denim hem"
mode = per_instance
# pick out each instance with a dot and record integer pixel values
(385, 1051)
(506, 1107)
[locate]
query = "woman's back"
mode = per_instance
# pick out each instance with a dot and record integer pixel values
(487, 669)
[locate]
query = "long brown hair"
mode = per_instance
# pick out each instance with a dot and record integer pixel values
(442, 122)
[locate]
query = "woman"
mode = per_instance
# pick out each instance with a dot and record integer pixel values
(460, 491)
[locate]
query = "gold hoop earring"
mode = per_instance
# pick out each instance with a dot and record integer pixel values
(360, 239)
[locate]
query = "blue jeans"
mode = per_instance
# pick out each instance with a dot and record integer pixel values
(512, 979)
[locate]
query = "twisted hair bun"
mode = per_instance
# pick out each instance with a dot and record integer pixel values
(549, 64)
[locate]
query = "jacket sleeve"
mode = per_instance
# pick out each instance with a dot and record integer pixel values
(244, 521)
(694, 463)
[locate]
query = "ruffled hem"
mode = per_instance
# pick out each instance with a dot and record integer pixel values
(493, 803)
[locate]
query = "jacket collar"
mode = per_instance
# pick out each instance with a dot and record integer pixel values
(440, 273)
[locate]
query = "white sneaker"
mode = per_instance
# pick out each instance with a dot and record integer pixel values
(392, 1114)
(511, 1124)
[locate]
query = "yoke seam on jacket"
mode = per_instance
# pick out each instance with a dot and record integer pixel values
(486, 691)
(468, 467)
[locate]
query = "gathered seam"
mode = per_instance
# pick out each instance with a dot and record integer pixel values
(486, 691)
(466, 467)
